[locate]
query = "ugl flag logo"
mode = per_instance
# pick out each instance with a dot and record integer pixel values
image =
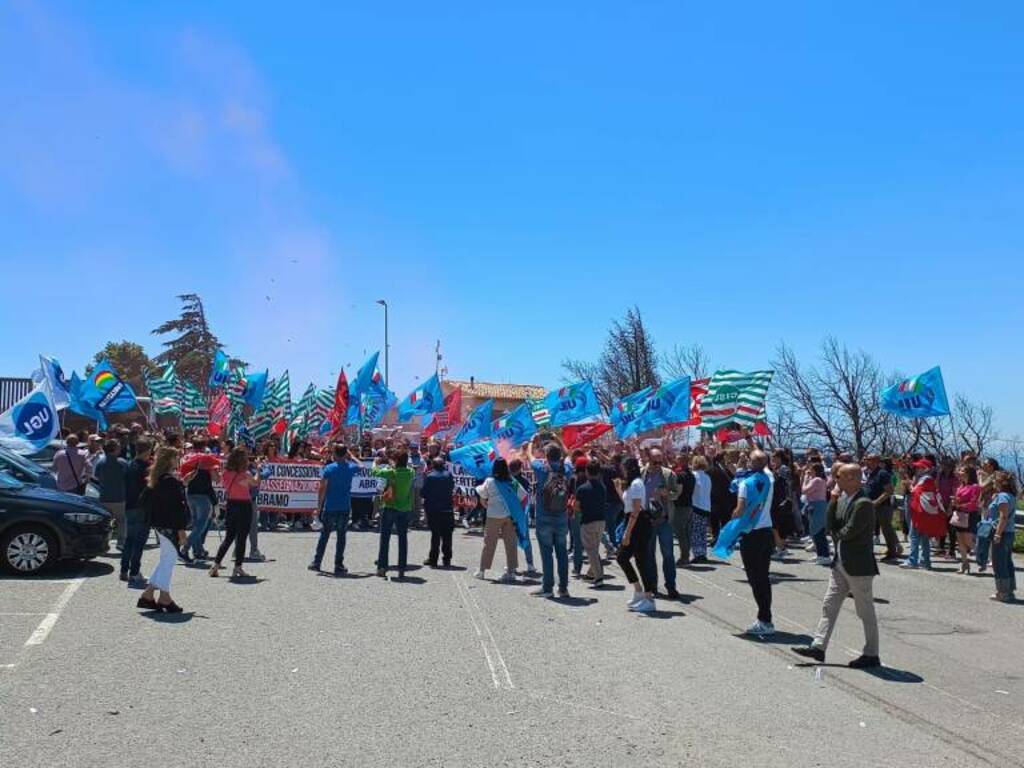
(31, 423)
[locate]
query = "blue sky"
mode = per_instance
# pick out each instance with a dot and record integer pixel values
(512, 178)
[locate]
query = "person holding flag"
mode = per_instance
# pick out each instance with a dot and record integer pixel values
(551, 484)
(504, 498)
(753, 509)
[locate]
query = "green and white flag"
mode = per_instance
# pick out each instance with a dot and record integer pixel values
(195, 414)
(734, 397)
(165, 392)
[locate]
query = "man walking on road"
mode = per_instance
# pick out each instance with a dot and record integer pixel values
(851, 520)
(335, 504)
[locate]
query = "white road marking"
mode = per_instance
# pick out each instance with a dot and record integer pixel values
(50, 620)
(479, 634)
(495, 661)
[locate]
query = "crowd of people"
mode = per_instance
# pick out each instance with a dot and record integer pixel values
(636, 501)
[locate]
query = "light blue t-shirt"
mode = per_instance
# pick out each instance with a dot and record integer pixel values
(993, 510)
(338, 497)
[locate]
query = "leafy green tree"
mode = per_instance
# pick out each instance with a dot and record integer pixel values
(194, 346)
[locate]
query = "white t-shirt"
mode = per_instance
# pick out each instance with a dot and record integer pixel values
(764, 520)
(702, 490)
(490, 494)
(636, 490)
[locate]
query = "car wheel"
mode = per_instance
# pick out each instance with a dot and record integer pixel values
(28, 549)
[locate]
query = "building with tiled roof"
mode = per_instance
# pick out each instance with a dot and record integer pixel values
(506, 396)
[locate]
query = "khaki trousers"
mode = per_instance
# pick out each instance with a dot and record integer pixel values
(840, 585)
(591, 535)
(499, 528)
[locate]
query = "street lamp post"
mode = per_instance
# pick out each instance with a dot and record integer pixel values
(386, 345)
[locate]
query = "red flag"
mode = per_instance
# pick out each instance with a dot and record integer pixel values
(448, 417)
(219, 413)
(575, 435)
(339, 412)
(698, 388)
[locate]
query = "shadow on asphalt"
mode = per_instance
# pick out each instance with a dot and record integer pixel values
(246, 580)
(779, 638)
(658, 614)
(699, 568)
(172, 618)
(575, 602)
(604, 587)
(66, 569)
(341, 576)
(888, 674)
(415, 580)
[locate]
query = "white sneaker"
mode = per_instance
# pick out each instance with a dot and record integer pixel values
(823, 561)
(481, 574)
(810, 547)
(637, 598)
(541, 592)
(507, 578)
(779, 554)
(760, 629)
(644, 606)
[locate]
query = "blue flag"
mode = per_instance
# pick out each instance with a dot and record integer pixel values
(477, 425)
(758, 493)
(668, 404)
(514, 428)
(425, 399)
(918, 397)
(625, 412)
(255, 387)
(476, 458)
(572, 403)
(220, 373)
(105, 391)
(364, 377)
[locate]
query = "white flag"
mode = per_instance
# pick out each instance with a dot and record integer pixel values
(31, 423)
(50, 371)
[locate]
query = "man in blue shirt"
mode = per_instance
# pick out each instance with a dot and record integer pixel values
(551, 487)
(335, 504)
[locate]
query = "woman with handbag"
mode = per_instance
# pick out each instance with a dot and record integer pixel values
(238, 518)
(168, 514)
(965, 518)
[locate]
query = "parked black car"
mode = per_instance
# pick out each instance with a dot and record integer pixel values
(39, 526)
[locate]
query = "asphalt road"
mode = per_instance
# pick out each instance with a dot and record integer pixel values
(301, 669)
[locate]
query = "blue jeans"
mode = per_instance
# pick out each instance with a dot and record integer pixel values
(663, 536)
(820, 543)
(551, 533)
(576, 534)
(612, 510)
(337, 522)
(920, 548)
(136, 533)
(399, 521)
(202, 509)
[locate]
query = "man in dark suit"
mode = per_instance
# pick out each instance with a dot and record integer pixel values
(851, 521)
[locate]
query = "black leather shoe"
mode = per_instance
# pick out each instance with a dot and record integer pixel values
(865, 662)
(148, 603)
(810, 652)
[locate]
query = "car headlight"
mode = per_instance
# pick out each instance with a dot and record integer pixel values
(83, 517)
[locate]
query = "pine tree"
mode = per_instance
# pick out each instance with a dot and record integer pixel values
(193, 349)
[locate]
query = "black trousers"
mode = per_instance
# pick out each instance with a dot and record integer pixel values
(756, 550)
(362, 511)
(237, 521)
(637, 550)
(441, 526)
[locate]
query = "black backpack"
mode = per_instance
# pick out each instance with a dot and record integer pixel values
(555, 491)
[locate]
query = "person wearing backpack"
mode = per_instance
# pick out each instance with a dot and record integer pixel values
(551, 477)
(662, 490)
